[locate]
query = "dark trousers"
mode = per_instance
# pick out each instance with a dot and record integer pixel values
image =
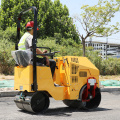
(52, 63)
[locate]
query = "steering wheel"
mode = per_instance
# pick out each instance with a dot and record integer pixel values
(50, 54)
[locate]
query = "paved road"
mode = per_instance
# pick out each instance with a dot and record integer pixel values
(109, 109)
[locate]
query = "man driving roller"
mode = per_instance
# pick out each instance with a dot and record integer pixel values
(26, 43)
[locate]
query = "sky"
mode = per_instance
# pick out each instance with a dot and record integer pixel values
(74, 9)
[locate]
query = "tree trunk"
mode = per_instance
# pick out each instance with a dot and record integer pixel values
(83, 42)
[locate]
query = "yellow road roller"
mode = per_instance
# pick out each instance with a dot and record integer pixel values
(76, 77)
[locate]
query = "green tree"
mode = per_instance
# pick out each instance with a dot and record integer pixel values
(53, 17)
(96, 20)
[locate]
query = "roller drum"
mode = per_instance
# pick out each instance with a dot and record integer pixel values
(90, 104)
(32, 102)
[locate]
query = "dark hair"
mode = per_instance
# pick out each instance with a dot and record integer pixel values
(29, 28)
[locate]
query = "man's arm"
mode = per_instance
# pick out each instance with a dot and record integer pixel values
(38, 51)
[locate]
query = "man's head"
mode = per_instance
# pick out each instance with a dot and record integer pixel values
(30, 27)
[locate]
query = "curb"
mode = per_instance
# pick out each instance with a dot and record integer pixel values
(8, 93)
(14, 93)
(109, 89)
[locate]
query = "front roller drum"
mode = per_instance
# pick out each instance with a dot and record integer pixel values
(32, 102)
(89, 103)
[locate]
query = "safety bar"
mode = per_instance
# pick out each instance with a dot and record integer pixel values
(49, 54)
(34, 40)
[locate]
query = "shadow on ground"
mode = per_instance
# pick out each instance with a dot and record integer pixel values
(64, 111)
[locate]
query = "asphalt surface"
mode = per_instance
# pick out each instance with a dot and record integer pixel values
(109, 109)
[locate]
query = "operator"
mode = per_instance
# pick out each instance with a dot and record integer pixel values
(26, 43)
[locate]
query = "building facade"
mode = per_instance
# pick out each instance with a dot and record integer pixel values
(105, 49)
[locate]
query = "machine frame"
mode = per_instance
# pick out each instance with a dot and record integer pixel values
(77, 77)
(34, 41)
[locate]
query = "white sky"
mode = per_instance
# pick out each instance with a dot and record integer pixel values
(74, 8)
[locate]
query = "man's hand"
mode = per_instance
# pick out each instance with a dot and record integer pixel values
(38, 51)
(45, 51)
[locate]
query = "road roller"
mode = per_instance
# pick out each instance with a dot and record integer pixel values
(75, 80)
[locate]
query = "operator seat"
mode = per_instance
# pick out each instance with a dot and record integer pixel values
(23, 58)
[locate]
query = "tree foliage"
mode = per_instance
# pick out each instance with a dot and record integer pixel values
(69, 48)
(11, 34)
(53, 17)
(6, 61)
(6, 46)
(96, 20)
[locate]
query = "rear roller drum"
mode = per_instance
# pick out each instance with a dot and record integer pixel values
(32, 102)
(90, 102)
(83, 103)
